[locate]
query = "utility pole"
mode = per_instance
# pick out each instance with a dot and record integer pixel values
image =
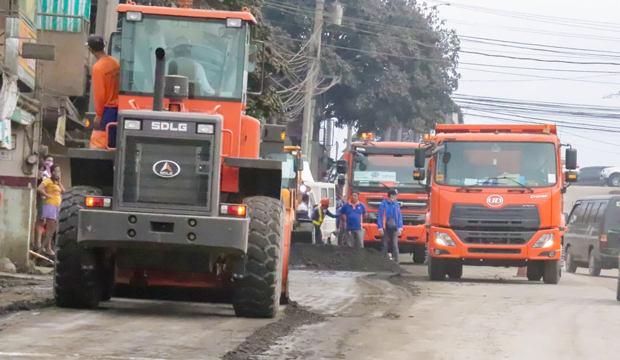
(314, 64)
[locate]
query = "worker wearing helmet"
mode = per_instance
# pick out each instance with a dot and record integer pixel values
(318, 215)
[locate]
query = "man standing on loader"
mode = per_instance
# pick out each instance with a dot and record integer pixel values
(318, 215)
(105, 82)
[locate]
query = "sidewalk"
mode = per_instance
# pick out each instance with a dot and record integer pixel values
(24, 292)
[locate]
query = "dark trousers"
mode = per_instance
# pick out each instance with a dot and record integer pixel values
(318, 235)
(390, 238)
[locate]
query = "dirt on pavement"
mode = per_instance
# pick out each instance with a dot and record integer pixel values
(24, 292)
(262, 339)
(316, 257)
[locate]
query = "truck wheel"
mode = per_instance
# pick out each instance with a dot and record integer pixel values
(455, 269)
(614, 180)
(436, 268)
(257, 295)
(419, 255)
(75, 287)
(594, 266)
(570, 264)
(552, 271)
(534, 271)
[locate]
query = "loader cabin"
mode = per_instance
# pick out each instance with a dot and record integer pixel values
(211, 48)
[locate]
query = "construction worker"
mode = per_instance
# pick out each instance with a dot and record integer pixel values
(390, 223)
(353, 211)
(304, 207)
(318, 215)
(105, 81)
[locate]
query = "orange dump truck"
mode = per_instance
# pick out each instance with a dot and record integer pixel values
(374, 167)
(496, 198)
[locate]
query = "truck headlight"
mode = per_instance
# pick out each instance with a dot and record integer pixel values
(544, 241)
(443, 239)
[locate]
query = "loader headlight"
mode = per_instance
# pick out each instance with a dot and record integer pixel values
(545, 241)
(133, 16)
(443, 239)
(303, 188)
(233, 22)
(133, 124)
(205, 129)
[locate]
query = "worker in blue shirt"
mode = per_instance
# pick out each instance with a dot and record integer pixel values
(390, 223)
(353, 212)
(318, 215)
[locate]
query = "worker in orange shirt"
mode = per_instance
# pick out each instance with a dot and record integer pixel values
(105, 81)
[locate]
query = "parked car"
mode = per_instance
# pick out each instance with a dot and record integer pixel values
(591, 176)
(593, 236)
(611, 176)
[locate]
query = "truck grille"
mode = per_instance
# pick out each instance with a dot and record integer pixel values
(508, 219)
(190, 187)
(405, 205)
(494, 237)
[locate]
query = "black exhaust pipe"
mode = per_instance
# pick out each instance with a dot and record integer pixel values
(160, 77)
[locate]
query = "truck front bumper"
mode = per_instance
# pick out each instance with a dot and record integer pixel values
(412, 237)
(495, 252)
(100, 228)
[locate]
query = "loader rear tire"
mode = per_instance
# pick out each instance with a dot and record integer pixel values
(75, 287)
(257, 295)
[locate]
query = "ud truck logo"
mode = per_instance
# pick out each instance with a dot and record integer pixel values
(495, 201)
(168, 126)
(166, 169)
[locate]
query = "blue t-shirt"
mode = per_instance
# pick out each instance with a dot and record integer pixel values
(354, 215)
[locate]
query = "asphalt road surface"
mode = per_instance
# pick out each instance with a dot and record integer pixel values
(490, 314)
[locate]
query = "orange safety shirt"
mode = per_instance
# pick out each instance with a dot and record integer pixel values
(106, 75)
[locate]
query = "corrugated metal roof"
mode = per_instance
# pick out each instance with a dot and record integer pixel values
(63, 15)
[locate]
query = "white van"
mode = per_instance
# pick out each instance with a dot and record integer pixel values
(319, 190)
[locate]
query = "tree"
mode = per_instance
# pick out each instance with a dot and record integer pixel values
(396, 62)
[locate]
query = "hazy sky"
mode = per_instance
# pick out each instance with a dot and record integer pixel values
(543, 31)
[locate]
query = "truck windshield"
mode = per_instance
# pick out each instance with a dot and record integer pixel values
(209, 54)
(385, 171)
(496, 164)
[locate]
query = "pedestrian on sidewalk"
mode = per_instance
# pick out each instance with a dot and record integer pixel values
(353, 212)
(390, 223)
(40, 222)
(51, 189)
(318, 215)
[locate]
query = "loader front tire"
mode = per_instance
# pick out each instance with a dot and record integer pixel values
(257, 294)
(75, 286)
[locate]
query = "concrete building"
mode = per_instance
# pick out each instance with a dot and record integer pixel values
(36, 104)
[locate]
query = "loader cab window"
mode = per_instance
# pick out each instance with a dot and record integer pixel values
(210, 54)
(289, 177)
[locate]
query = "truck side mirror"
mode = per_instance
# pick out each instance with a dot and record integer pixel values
(341, 180)
(570, 176)
(418, 174)
(358, 157)
(571, 159)
(298, 165)
(342, 166)
(420, 158)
